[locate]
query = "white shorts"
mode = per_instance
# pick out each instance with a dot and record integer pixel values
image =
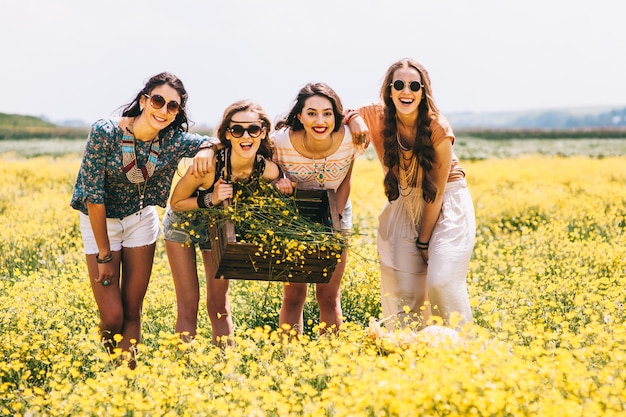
(138, 229)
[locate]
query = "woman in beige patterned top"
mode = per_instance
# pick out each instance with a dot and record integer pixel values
(316, 150)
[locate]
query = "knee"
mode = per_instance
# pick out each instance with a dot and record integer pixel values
(112, 321)
(217, 305)
(294, 297)
(328, 301)
(188, 311)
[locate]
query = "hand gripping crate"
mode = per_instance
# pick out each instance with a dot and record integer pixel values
(236, 260)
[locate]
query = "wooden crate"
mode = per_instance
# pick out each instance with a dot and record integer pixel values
(235, 260)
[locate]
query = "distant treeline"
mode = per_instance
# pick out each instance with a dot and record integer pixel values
(39, 132)
(25, 133)
(17, 127)
(503, 134)
(42, 132)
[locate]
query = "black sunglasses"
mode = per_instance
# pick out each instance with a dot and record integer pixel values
(157, 101)
(238, 130)
(413, 85)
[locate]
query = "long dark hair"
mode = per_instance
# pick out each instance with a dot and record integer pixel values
(423, 146)
(180, 123)
(265, 147)
(310, 90)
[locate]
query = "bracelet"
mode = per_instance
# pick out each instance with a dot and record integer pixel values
(104, 260)
(204, 200)
(421, 245)
(206, 145)
(350, 115)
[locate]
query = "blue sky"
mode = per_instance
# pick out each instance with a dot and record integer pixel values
(76, 59)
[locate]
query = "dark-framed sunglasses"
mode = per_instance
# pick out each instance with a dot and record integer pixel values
(415, 86)
(157, 101)
(238, 130)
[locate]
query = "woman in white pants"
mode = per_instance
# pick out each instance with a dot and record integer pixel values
(427, 229)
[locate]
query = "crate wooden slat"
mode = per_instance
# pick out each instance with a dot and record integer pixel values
(236, 260)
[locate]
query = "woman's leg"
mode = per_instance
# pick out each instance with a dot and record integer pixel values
(136, 269)
(451, 248)
(218, 306)
(403, 286)
(329, 298)
(108, 300)
(182, 260)
(294, 297)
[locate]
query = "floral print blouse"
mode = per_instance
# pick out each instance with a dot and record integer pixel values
(101, 178)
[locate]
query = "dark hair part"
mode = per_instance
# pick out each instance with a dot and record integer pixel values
(180, 123)
(423, 147)
(310, 90)
(265, 147)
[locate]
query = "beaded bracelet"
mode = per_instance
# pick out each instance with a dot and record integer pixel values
(421, 245)
(104, 260)
(204, 200)
(350, 115)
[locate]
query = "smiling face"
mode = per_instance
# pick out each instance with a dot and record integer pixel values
(406, 100)
(246, 125)
(317, 117)
(159, 119)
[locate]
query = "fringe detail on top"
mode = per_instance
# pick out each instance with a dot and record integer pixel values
(412, 196)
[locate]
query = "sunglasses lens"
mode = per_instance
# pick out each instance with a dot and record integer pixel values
(157, 101)
(237, 131)
(254, 130)
(414, 86)
(173, 107)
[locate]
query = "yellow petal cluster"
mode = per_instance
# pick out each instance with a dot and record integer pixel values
(547, 284)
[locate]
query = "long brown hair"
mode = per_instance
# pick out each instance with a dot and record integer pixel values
(423, 146)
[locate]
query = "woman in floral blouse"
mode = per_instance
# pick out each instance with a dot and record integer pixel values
(126, 171)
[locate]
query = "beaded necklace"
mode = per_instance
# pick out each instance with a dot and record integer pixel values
(138, 175)
(319, 175)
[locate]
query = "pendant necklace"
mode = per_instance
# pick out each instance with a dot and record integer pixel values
(138, 175)
(319, 175)
(404, 148)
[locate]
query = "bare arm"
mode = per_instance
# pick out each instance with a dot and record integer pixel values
(98, 221)
(272, 171)
(186, 187)
(343, 191)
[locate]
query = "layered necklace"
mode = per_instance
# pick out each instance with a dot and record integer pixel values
(408, 170)
(404, 148)
(319, 173)
(134, 173)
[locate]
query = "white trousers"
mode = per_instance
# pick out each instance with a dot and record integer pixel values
(451, 244)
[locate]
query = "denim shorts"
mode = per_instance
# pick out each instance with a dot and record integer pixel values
(187, 228)
(138, 229)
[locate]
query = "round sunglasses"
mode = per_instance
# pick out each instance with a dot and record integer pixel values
(157, 101)
(238, 130)
(415, 86)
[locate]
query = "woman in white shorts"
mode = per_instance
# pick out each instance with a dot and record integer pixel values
(126, 171)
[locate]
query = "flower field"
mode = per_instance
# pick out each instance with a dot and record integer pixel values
(547, 284)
